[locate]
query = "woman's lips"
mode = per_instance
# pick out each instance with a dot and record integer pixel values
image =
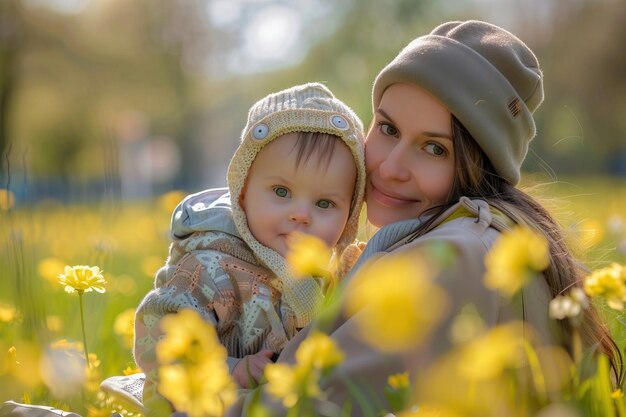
(387, 199)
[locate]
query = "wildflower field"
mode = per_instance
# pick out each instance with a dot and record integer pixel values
(42, 335)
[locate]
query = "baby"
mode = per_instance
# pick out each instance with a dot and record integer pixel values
(299, 168)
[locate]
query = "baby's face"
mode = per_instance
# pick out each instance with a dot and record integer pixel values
(314, 198)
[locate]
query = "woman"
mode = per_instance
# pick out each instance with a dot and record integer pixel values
(452, 124)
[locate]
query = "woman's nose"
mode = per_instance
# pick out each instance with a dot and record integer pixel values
(395, 165)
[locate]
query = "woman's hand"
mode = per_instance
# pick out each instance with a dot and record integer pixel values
(249, 370)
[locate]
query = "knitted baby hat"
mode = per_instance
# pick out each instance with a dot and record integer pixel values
(488, 78)
(303, 108)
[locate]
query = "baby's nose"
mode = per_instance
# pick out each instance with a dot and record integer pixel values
(300, 215)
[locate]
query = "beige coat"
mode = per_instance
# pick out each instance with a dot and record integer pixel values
(471, 228)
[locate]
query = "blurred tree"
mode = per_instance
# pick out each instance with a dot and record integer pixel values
(10, 32)
(584, 118)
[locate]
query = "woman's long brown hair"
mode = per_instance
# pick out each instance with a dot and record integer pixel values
(475, 177)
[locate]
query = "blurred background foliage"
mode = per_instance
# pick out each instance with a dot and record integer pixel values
(132, 98)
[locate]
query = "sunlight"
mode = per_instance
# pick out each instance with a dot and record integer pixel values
(62, 6)
(271, 37)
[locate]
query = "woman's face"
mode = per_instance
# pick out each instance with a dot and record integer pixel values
(408, 154)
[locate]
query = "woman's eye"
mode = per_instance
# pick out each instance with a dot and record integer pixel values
(388, 129)
(325, 204)
(281, 192)
(435, 149)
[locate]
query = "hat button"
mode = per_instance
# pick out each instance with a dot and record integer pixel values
(260, 131)
(339, 122)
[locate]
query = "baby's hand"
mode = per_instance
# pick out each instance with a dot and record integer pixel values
(349, 257)
(249, 370)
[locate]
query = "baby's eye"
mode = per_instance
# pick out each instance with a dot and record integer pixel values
(325, 204)
(388, 129)
(281, 192)
(435, 149)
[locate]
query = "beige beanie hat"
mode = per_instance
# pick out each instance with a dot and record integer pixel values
(303, 108)
(488, 78)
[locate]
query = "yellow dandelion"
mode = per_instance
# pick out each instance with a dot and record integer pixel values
(67, 345)
(151, 264)
(292, 383)
(590, 232)
(188, 336)
(308, 255)
(281, 383)
(7, 313)
(82, 278)
(49, 269)
(124, 326)
(93, 411)
(515, 259)
(399, 380)
(131, 370)
(319, 351)
(193, 374)
(466, 325)
(54, 323)
(170, 200)
(428, 411)
(398, 391)
(488, 356)
(610, 283)
(397, 304)
(92, 374)
(22, 365)
(7, 199)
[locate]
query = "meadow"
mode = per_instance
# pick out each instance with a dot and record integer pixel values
(129, 242)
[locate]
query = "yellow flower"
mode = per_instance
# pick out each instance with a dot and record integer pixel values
(67, 345)
(193, 374)
(397, 304)
(316, 354)
(7, 313)
(290, 384)
(399, 381)
(93, 411)
(131, 370)
(151, 264)
(515, 259)
(617, 394)
(610, 283)
(319, 351)
(22, 363)
(282, 383)
(124, 326)
(49, 269)
(54, 323)
(188, 337)
(7, 199)
(308, 255)
(170, 200)
(93, 374)
(466, 325)
(82, 278)
(589, 232)
(488, 356)
(428, 411)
